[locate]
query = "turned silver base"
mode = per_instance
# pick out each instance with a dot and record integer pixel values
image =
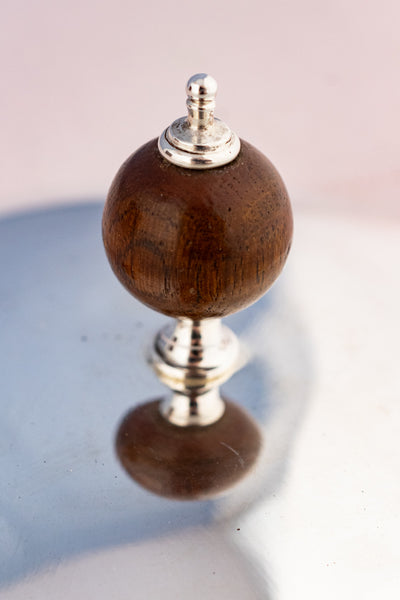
(193, 358)
(196, 409)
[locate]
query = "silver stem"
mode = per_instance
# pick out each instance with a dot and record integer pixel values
(193, 409)
(193, 358)
(201, 91)
(200, 114)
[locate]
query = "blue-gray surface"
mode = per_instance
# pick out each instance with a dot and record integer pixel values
(72, 355)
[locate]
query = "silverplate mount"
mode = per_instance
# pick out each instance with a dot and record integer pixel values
(193, 358)
(199, 140)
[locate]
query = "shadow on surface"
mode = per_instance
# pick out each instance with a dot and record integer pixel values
(72, 344)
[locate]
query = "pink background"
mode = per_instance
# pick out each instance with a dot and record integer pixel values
(315, 85)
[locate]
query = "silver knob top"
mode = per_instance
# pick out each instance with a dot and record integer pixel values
(199, 141)
(202, 85)
(201, 90)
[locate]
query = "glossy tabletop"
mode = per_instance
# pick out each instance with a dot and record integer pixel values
(318, 515)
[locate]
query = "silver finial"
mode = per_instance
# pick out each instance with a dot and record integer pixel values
(199, 141)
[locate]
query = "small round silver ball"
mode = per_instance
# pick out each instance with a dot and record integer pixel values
(201, 86)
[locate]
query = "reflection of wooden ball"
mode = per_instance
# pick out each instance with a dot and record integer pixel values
(197, 243)
(187, 463)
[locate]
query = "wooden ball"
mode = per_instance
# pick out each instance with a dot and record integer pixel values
(197, 243)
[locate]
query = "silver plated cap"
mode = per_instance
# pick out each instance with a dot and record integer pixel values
(199, 141)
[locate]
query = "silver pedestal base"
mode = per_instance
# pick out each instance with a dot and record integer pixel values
(193, 358)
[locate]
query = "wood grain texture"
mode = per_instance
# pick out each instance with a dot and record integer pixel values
(187, 463)
(197, 244)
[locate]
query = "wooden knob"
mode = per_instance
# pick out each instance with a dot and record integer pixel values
(197, 243)
(197, 225)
